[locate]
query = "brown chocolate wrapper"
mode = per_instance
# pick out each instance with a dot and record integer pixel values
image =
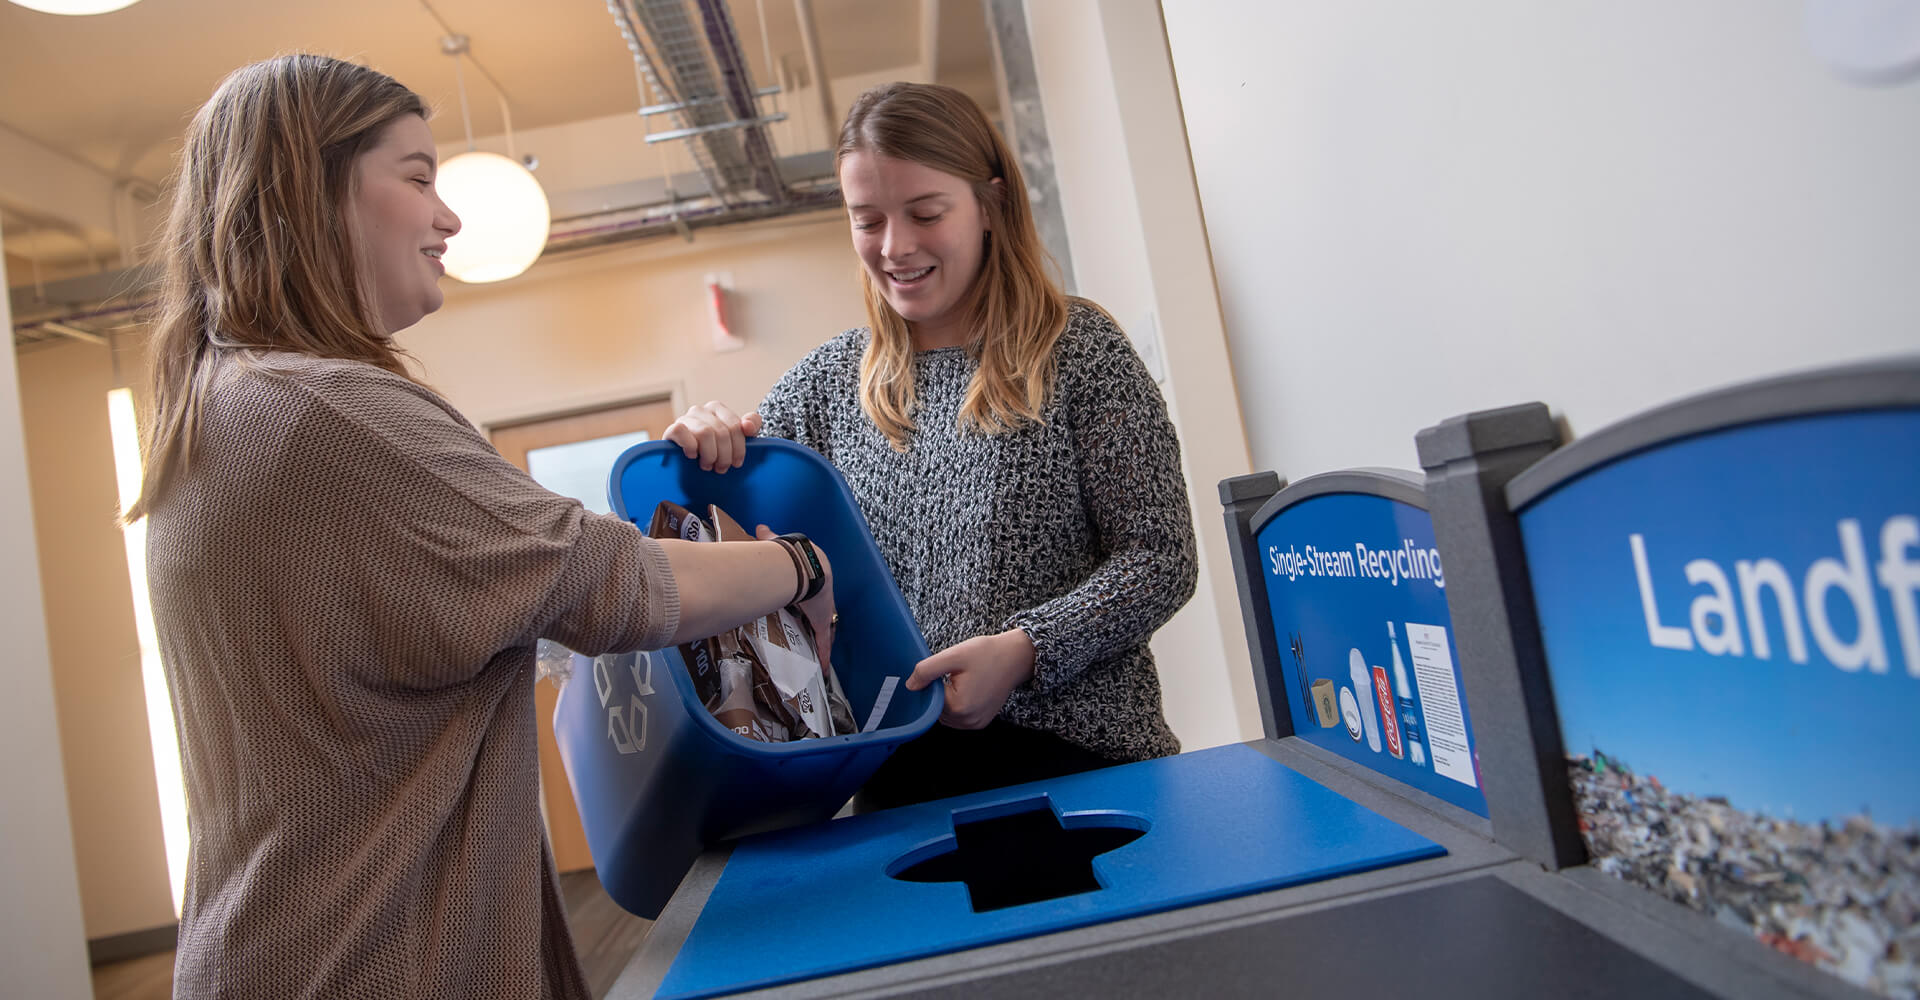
(670, 520)
(762, 680)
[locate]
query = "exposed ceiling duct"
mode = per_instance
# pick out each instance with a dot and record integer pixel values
(91, 308)
(692, 74)
(690, 67)
(692, 59)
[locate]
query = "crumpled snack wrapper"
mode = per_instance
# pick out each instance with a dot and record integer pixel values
(762, 680)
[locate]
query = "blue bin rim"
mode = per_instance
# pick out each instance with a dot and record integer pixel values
(648, 449)
(683, 682)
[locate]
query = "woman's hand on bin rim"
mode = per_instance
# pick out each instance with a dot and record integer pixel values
(979, 674)
(714, 435)
(819, 610)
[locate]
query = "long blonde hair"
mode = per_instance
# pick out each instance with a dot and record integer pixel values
(1014, 309)
(259, 252)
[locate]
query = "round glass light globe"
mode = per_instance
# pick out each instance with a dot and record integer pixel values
(503, 217)
(74, 6)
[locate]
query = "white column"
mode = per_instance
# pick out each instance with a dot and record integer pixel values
(42, 940)
(1140, 249)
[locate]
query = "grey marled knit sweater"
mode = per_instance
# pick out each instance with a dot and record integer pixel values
(1076, 529)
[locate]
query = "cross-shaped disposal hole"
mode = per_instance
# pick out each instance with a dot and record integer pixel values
(1020, 852)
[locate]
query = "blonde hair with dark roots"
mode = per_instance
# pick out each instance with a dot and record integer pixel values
(259, 254)
(1014, 309)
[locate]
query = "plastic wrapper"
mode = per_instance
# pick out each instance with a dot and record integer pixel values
(764, 679)
(552, 660)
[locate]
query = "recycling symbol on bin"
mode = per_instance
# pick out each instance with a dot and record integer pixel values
(628, 739)
(626, 725)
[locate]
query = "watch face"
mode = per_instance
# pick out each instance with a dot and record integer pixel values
(810, 567)
(1350, 711)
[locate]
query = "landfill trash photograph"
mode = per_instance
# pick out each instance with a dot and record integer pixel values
(1842, 895)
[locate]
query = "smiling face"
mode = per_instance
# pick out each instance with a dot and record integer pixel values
(400, 223)
(920, 234)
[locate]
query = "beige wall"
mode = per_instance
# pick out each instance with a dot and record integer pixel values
(42, 938)
(115, 809)
(1139, 248)
(633, 322)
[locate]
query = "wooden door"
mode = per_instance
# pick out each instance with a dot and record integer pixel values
(563, 454)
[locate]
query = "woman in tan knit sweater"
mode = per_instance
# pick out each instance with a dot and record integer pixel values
(349, 581)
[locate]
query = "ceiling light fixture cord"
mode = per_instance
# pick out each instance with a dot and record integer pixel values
(506, 218)
(507, 117)
(506, 112)
(466, 116)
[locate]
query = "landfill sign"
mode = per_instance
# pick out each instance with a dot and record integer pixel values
(1358, 597)
(1731, 632)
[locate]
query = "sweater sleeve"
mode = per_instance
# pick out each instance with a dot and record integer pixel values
(1136, 503)
(418, 530)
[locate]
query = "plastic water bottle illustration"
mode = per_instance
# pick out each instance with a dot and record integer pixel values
(1362, 686)
(1403, 690)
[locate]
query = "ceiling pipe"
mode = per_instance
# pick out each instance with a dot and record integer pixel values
(930, 40)
(822, 87)
(584, 235)
(74, 333)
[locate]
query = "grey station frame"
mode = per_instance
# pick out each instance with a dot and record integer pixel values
(1482, 921)
(1483, 469)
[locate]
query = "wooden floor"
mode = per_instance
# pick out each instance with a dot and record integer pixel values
(605, 935)
(147, 978)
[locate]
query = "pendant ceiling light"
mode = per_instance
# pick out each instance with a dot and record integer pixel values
(503, 216)
(503, 211)
(75, 6)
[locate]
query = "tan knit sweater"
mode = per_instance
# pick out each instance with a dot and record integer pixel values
(348, 584)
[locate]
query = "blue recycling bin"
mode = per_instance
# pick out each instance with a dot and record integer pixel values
(657, 779)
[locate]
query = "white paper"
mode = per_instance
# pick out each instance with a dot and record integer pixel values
(796, 675)
(880, 704)
(1440, 702)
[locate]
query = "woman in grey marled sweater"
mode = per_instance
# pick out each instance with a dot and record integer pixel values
(1009, 450)
(348, 581)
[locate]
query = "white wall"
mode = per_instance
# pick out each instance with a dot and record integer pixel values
(42, 943)
(1139, 249)
(1422, 209)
